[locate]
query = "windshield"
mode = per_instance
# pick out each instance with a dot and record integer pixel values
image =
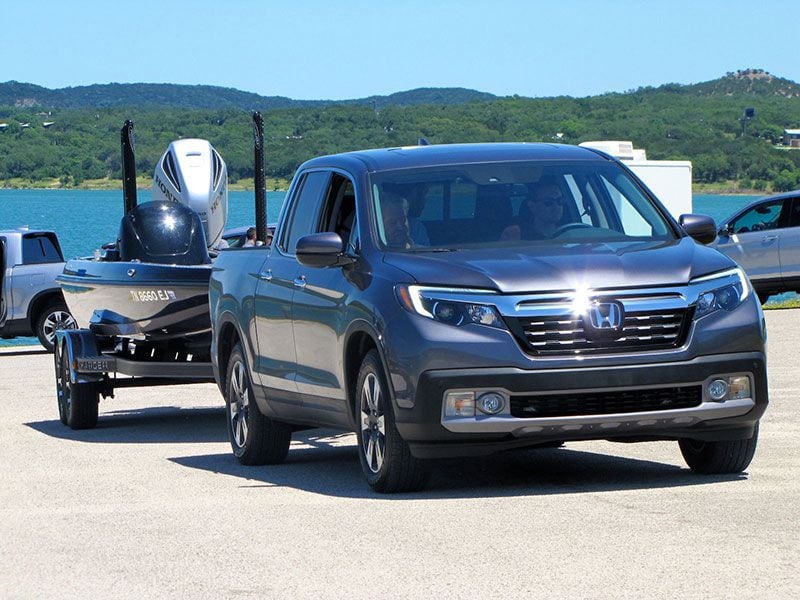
(508, 204)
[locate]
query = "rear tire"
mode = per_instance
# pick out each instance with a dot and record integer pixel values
(54, 317)
(255, 439)
(77, 402)
(719, 458)
(385, 457)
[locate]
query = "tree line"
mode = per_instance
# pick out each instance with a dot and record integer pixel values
(670, 122)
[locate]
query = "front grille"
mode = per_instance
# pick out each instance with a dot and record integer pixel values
(566, 334)
(605, 403)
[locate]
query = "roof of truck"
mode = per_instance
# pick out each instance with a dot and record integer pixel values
(450, 154)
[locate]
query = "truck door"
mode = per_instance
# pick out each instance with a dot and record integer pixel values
(790, 246)
(320, 311)
(754, 240)
(276, 364)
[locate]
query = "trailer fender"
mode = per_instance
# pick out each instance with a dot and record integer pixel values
(86, 362)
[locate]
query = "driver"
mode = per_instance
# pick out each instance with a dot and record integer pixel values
(540, 214)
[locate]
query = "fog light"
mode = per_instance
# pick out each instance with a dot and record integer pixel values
(491, 403)
(738, 387)
(718, 389)
(459, 404)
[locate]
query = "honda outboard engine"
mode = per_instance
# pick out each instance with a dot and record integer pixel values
(166, 233)
(193, 173)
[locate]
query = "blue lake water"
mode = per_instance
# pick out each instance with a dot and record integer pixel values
(84, 220)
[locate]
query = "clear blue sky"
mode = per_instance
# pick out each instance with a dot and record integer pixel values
(336, 50)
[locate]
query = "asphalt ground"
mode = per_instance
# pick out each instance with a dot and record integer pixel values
(151, 504)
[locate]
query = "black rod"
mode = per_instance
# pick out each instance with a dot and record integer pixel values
(128, 167)
(260, 178)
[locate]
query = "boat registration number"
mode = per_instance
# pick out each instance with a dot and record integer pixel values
(152, 295)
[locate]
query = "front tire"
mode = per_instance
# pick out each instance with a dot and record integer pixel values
(77, 402)
(385, 457)
(255, 439)
(719, 458)
(54, 317)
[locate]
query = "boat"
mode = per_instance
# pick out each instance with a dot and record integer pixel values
(150, 286)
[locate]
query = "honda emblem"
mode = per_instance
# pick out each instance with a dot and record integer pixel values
(606, 316)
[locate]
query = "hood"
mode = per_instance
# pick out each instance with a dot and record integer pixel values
(564, 267)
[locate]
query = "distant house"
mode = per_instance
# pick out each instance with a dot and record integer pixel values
(791, 137)
(47, 124)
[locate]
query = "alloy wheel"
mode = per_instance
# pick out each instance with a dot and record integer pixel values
(239, 404)
(373, 424)
(55, 321)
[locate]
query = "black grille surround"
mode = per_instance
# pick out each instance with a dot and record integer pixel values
(599, 402)
(565, 335)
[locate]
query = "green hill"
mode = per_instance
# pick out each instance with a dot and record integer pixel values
(700, 122)
(164, 95)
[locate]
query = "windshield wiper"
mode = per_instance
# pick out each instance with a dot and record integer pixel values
(418, 250)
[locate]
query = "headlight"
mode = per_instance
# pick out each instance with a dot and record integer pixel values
(727, 296)
(448, 306)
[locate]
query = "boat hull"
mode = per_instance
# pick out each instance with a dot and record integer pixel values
(137, 300)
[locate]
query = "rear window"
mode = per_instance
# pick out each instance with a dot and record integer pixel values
(39, 249)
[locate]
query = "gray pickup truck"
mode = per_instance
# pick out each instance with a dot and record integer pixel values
(461, 300)
(31, 303)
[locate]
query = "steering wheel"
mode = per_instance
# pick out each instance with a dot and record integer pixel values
(569, 227)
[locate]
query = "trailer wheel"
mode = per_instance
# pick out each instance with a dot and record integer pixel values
(77, 402)
(55, 316)
(255, 438)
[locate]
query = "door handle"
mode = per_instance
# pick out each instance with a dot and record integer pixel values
(300, 281)
(769, 238)
(265, 275)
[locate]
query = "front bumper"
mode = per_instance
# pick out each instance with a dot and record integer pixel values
(431, 434)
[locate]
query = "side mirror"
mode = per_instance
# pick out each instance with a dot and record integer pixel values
(700, 227)
(321, 250)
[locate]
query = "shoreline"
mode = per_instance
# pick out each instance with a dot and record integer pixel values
(142, 183)
(277, 184)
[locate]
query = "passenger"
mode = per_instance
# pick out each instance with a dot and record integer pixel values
(250, 241)
(540, 215)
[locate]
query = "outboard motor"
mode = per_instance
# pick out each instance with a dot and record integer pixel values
(162, 232)
(192, 173)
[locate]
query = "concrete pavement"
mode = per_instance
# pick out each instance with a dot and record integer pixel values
(152, 504)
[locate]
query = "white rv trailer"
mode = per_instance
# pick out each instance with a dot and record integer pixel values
(669, 180)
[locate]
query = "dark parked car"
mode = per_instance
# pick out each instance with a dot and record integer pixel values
(460, 300)
(764, 238)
